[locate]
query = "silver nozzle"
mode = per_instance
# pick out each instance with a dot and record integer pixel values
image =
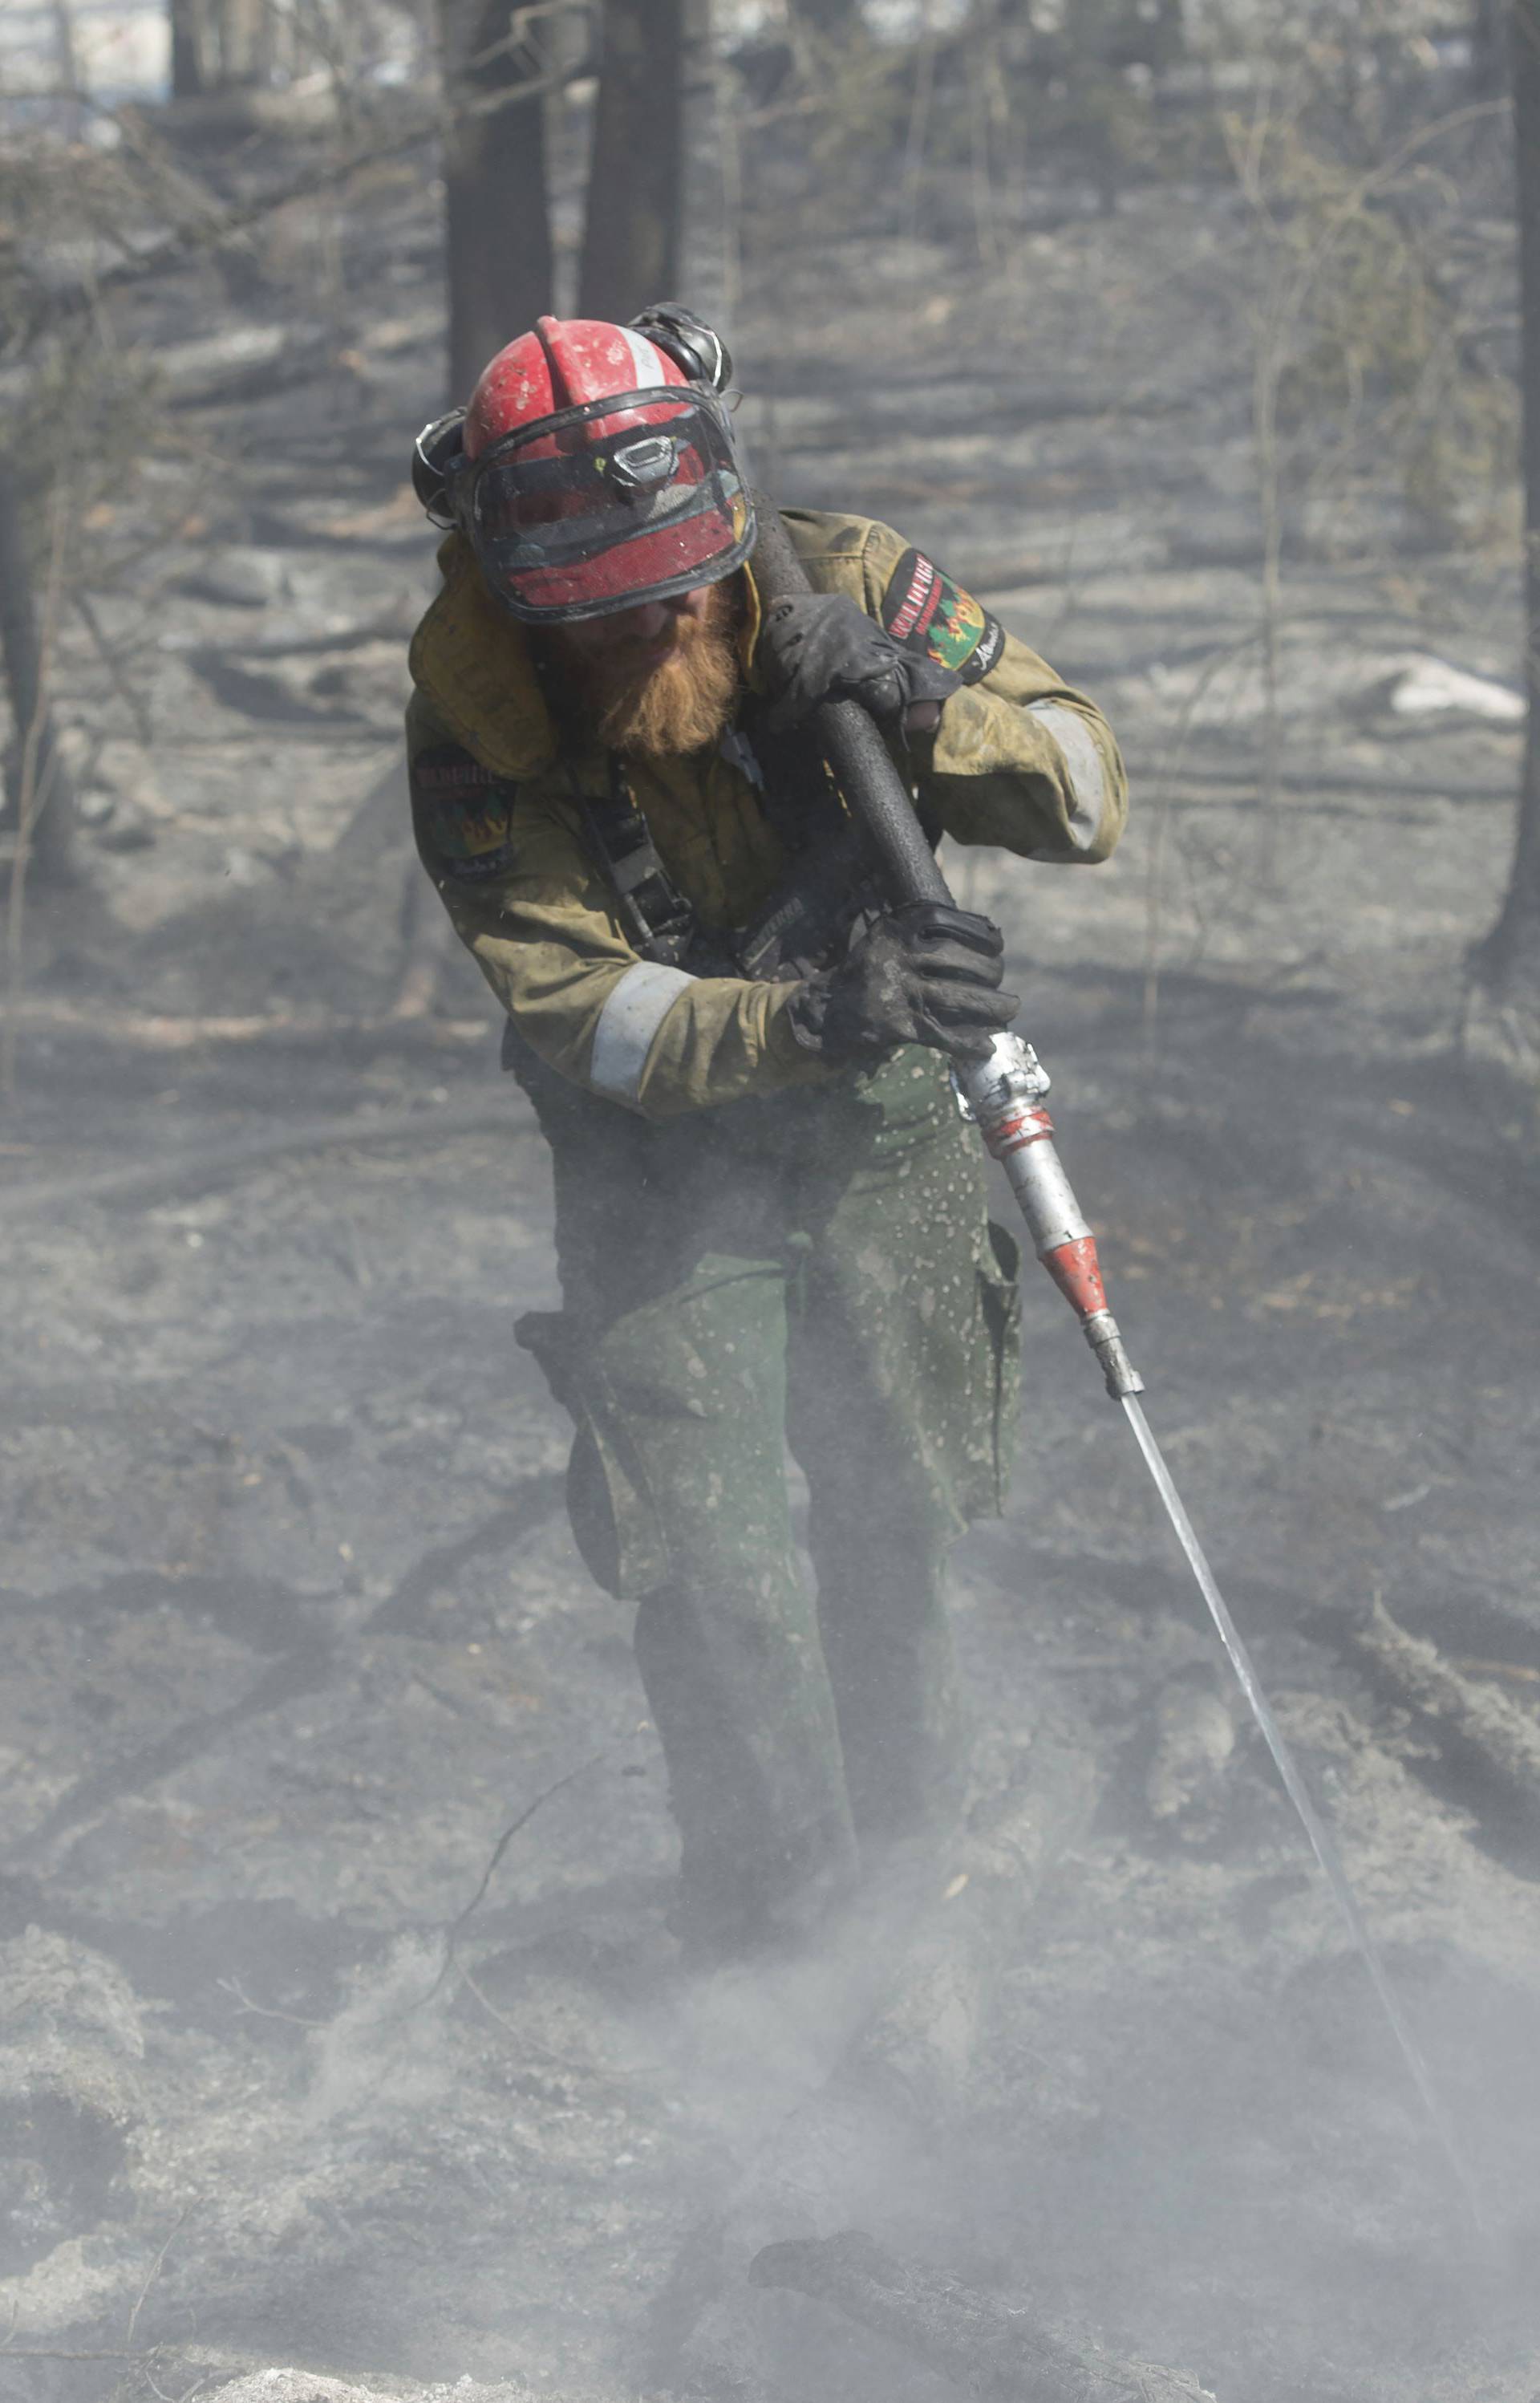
(1012, 1072)
(1118, 1369)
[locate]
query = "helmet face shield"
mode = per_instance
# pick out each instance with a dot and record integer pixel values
(619, 501)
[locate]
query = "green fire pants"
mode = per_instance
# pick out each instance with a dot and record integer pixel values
(816, 1269)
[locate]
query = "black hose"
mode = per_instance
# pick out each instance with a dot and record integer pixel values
(874, 790)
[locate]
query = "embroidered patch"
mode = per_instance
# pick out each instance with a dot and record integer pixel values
(464, 811)
(925, 611)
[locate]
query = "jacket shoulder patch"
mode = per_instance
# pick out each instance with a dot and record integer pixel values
(464, 812)
(928, 612)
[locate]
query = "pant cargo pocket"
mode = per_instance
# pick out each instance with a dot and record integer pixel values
(613, 1524)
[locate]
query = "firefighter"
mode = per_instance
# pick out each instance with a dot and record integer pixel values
(771, 1224)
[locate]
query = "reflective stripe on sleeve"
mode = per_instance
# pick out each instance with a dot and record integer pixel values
(1085, 775)
(627, 1025)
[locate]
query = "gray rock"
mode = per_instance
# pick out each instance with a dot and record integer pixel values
(123, 825)
(239, 578)
(95, 806)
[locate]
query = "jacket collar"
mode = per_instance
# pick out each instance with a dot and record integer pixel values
(472, 663)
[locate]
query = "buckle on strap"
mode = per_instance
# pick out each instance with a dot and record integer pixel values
(656, 915)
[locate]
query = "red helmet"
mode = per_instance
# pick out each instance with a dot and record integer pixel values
(597, 473)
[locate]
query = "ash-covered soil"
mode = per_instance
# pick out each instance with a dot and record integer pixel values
(294, 1628)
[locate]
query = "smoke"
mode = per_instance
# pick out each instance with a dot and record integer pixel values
(392, 2030)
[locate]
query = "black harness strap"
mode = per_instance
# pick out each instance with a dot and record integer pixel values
(656, 915)
(829, 886)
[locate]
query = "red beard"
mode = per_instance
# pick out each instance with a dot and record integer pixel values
(680, 704)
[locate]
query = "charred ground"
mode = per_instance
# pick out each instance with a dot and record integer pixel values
(294, 1626)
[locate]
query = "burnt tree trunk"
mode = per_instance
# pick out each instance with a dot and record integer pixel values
(186, 48)
(704, 265)
(219, 45)
(245, 41)
(71, 81)
(632, 232)
(1487, 67)
(828, 20)
(1509, 962)
(496, 207)
(64, 43)
(36, 777)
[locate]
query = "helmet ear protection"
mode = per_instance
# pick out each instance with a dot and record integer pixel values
(695, 349)
(437, 457)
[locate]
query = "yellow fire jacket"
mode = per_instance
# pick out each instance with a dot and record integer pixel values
(1018, 759)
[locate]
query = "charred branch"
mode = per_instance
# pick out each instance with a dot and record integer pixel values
(37, 308)
(1498, 1731)
(988, 2349)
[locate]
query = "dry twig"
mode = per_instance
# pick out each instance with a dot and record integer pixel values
(456, 1927)
(153, 2272)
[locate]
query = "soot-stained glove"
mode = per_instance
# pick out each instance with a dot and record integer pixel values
(819, 646)
(927, 974)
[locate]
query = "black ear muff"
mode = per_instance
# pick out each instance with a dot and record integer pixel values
(438, 452)
(695, 349)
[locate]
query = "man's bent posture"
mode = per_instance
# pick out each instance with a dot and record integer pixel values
(770, 1216)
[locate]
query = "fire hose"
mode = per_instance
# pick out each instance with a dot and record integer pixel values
(1005, 1096)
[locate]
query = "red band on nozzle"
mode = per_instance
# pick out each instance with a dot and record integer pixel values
(1014, 1133)
(1077, 1271)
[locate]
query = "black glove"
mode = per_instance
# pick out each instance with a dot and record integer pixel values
(928, 974)
(823, 646)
